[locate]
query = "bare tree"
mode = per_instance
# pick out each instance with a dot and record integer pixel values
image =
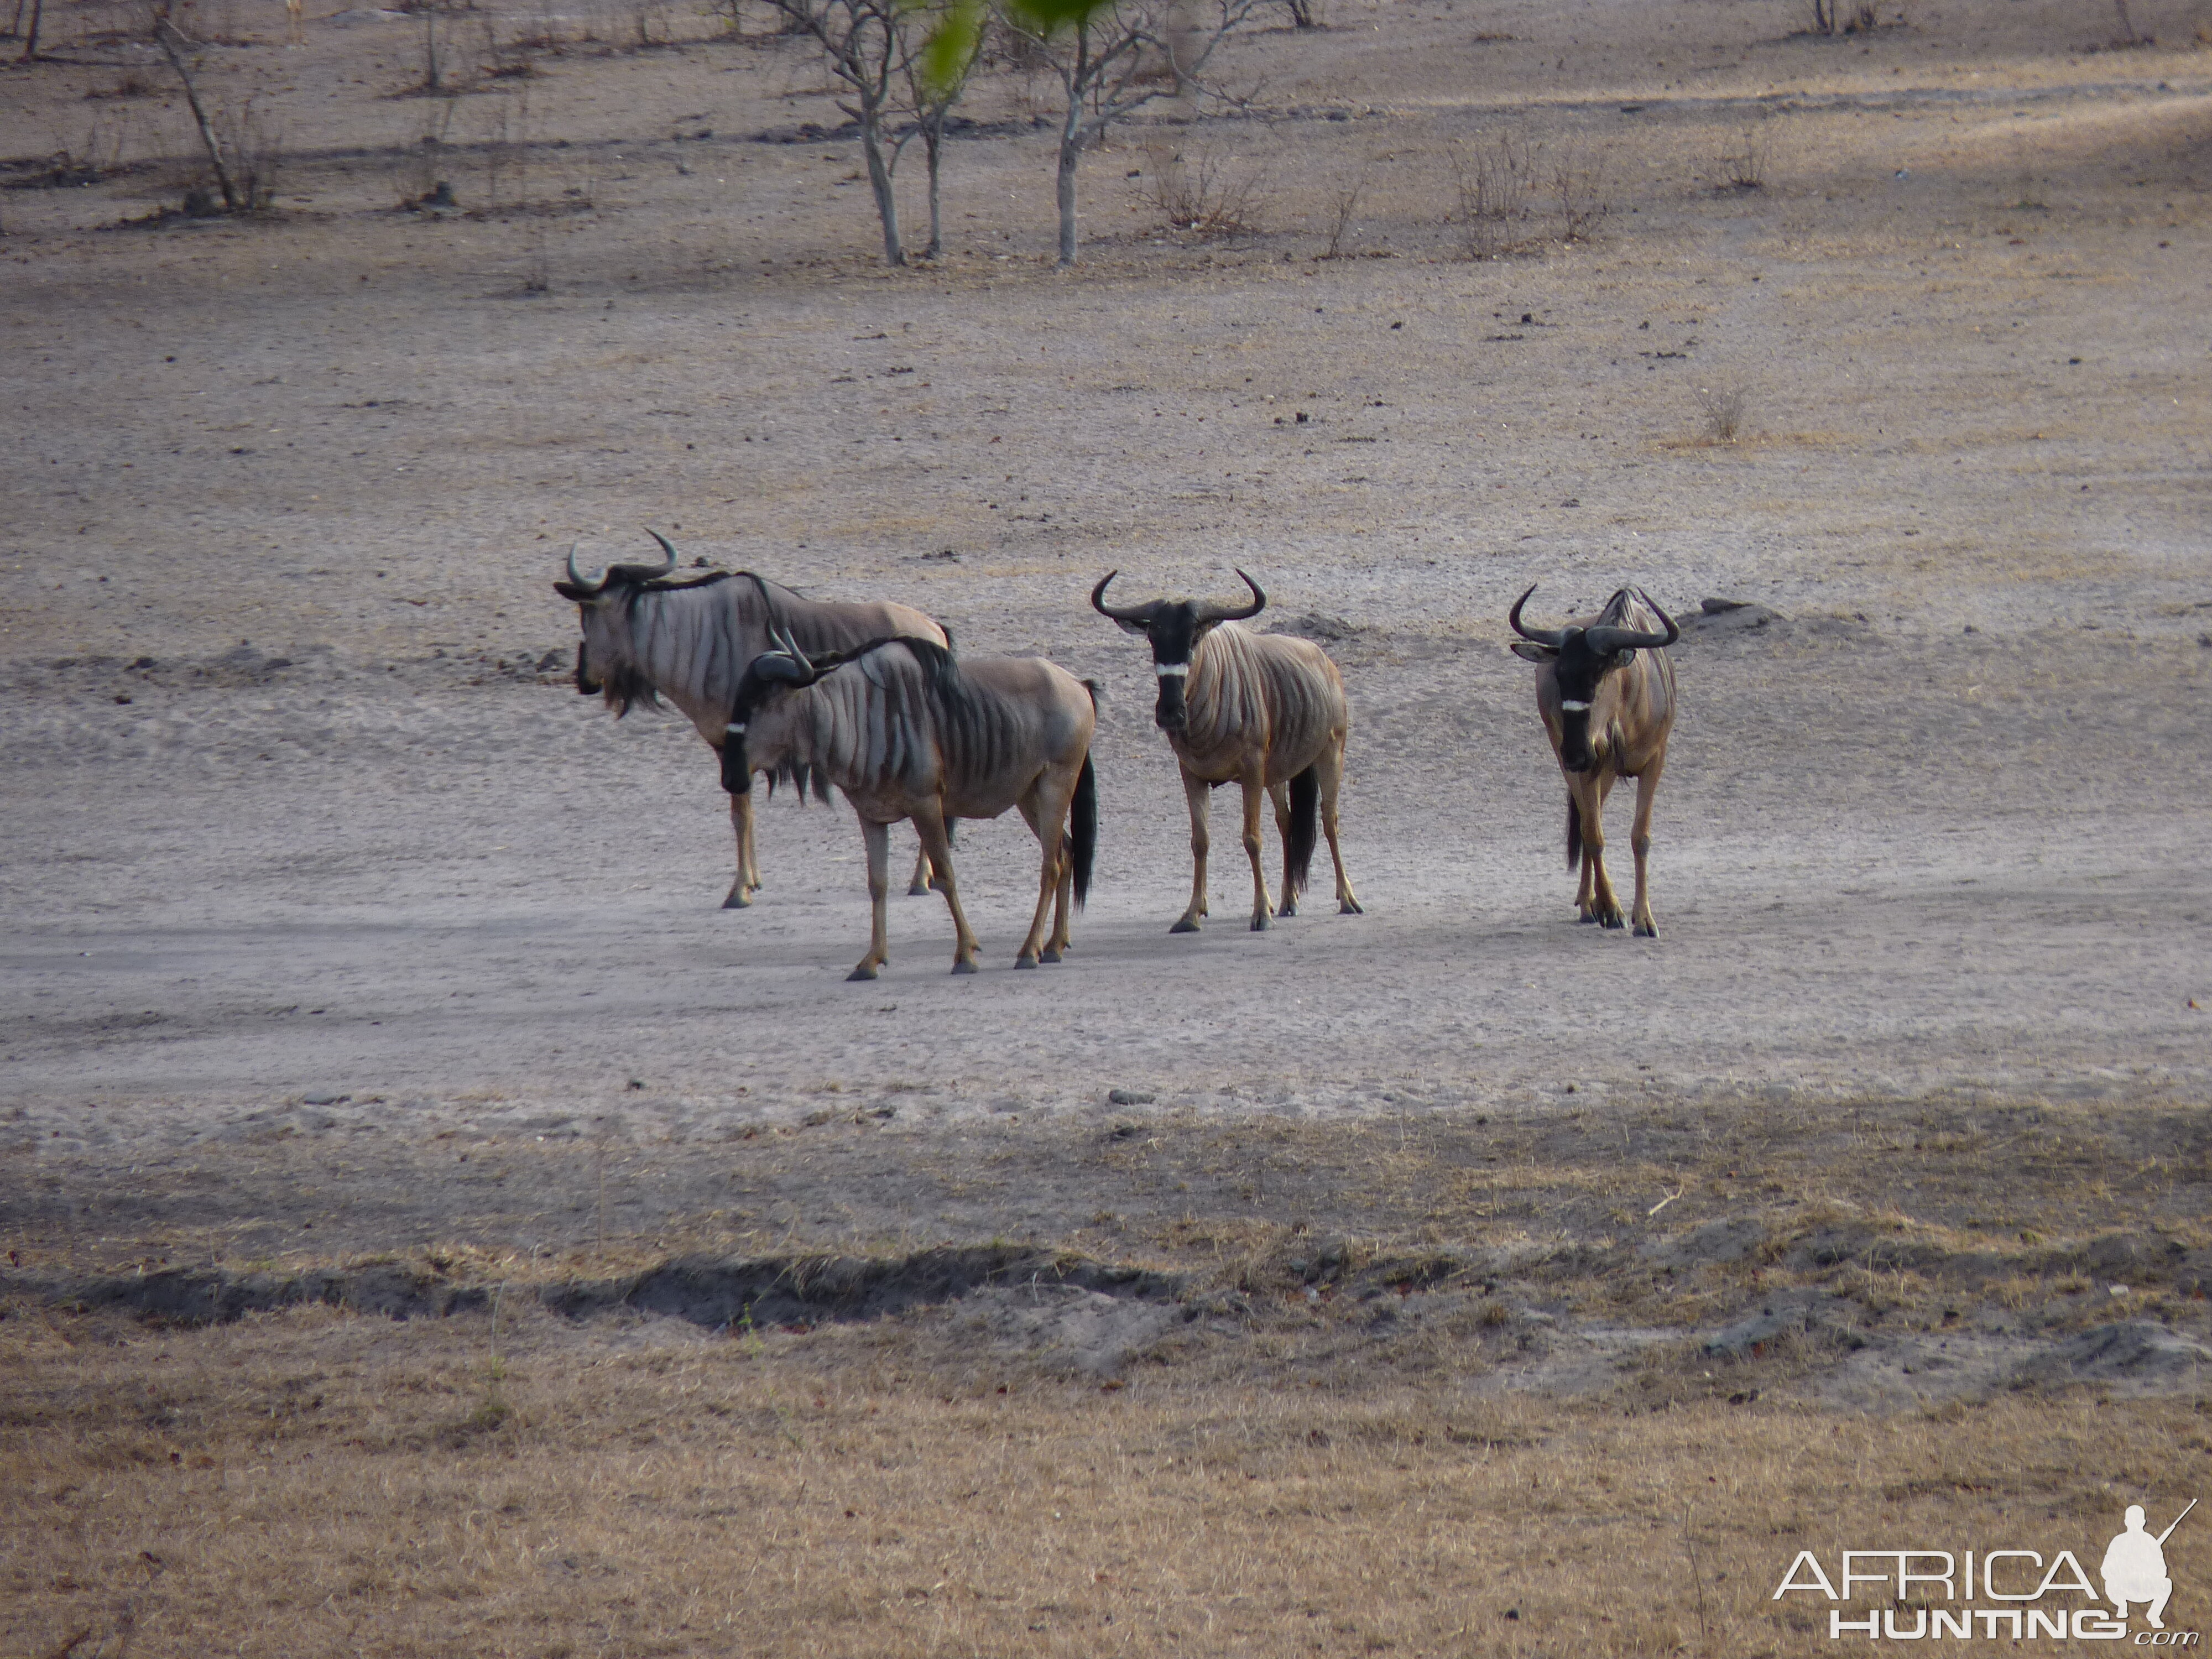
(172, 41)
(1114, 57)
(872, 51)
(935, 78)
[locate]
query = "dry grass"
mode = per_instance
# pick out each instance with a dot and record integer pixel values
(1725, 410)
(309, 1482)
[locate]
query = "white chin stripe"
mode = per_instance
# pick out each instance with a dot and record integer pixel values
(736, 728)
(1171, 670)
(1575, 707)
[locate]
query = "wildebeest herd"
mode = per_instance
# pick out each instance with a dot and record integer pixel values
(871, 698)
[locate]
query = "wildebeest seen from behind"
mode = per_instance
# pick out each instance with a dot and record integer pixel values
(1262, 710)
(908, 733)
(649, 634)
(1607, 699)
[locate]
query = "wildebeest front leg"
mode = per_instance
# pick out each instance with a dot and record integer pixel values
(741, 826)
(1330, 767)
(1255, 792)
(1596, 900)
(1639, 843)
(1194, 791)
(930, 827)
(876, 837)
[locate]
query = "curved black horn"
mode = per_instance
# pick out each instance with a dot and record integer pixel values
(1136, 613)
(782, 667)
(1222, 613)
(585, 584)
(646, 574)
(1603, 639)
(1551, 636)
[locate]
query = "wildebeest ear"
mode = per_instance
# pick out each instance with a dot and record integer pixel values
(1530, 650)
(1136, 628)
(570, 591)
(1622, 659)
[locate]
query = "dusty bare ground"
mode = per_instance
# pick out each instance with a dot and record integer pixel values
(1469, 1280)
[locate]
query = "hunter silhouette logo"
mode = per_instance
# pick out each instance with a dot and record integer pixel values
(2134, 1567)
(1999, 1594)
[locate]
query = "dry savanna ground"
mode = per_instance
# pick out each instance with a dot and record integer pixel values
(434, 1226)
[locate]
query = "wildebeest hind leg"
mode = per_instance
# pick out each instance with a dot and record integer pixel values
(1280, 795)
(1330, 767)
(877, 838)
(1045, 808)
(931, 828)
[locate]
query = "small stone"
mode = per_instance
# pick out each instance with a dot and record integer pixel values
(322, 1098)
(1131, 1096)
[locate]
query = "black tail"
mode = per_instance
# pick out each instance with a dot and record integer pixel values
(1297, 850)
(1574, 835)
(1083, 828)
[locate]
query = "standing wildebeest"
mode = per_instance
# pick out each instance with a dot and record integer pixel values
(1264, 710)
(908, 733)
(1607, 699)
(648, 634)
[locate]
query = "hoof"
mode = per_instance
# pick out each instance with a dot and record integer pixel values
(864, 971)
(1287, 909)
(737, 900)
(1052, 956)
(918, 890)
(1350, 907)
(964, 966)
(1647, 930)
(1020, 962)
(1586, 917)
(1184, 924)
(1260, 922)
(1613, 924)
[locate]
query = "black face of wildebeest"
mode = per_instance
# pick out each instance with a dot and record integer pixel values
(1580, 659)
(1578, 669)
(1174, 628)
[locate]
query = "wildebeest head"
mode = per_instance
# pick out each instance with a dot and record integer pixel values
(785, 668)
(606, 660)
(1175, 627)
(1581, 661)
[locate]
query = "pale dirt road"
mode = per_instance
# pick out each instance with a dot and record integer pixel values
(1894, 856)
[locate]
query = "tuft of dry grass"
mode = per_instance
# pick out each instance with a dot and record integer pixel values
(1725, 410)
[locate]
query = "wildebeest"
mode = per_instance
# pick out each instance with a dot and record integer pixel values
(908, 733)
(649, 634)
(1607, 701)
(1263, 710)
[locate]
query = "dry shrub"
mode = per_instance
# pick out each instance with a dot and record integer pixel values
(1344, 206)
(1743, 166)
(1724, 410)
(1493, 178)
(253, 149)
(1198, 195)
(1512, 195)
